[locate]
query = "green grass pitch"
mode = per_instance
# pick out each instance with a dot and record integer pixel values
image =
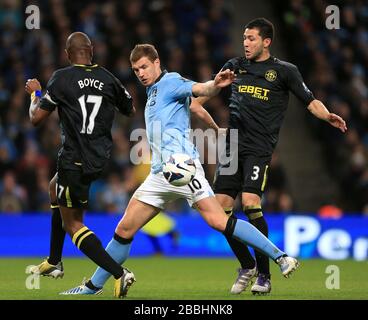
(162, 278)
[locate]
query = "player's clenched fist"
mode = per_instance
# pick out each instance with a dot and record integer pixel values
(32, 85)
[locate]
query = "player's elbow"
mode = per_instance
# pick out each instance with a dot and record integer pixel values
(195, 110)
(37, 116)
(195, 107)
(199, 114)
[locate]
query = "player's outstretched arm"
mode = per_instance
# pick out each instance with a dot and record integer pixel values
(318, 109)
(36, 114)
(213, 87)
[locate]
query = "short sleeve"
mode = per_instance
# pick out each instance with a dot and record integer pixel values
(179, 87)
(297, 86)
(50, 100)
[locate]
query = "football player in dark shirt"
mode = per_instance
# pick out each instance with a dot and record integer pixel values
(258, 103)
(86, 96)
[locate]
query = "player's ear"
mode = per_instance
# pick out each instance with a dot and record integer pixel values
(67, 54)
(91, 52)
(267, 42)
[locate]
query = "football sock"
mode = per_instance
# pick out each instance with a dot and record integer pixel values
(257, 219)
(118, 248)
(87, 242)
(240, 249)
(245, 232)
(57, 236)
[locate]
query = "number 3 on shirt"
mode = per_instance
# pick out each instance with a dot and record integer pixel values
(255, 174)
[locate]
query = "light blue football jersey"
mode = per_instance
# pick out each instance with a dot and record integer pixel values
(167, 117)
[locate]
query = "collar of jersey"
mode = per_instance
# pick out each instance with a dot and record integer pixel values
(161, 75)
(86, 65)
(271, 58)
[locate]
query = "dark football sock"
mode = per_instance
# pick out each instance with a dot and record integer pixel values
(257, 219)
(57, 236)
(240, 250)
(87, 242)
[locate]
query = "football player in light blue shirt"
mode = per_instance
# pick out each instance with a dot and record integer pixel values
(167, 118)
(168, 108)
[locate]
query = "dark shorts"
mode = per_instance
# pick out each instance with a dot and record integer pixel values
(72, 188)
(250, 177)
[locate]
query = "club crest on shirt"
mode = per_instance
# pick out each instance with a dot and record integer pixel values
(151, 99)
(271, 75)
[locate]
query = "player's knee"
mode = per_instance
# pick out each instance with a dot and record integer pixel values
(71, 227)
(251, 199)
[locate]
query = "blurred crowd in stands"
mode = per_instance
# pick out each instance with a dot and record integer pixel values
(192, 37)
(334, 63)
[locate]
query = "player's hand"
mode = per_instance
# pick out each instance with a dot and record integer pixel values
(32, 85)
(337, 122)
(224, 78)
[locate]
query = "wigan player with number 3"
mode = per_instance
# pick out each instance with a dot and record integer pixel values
(258, 103)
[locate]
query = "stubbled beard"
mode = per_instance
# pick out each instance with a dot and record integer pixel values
(257, 55)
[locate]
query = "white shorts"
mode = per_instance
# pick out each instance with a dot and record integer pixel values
(157, 191)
